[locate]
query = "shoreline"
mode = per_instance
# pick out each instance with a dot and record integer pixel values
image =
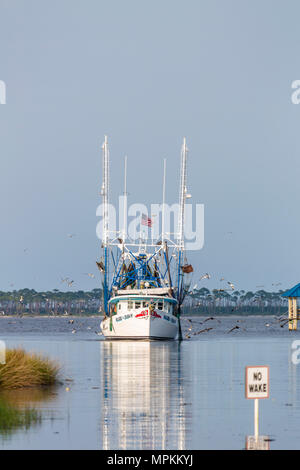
(186, 315)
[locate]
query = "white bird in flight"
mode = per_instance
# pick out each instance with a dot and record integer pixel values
(205, 276)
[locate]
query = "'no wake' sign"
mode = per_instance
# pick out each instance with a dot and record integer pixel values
(257, 382)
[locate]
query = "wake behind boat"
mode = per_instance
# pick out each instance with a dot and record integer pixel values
(144, 281)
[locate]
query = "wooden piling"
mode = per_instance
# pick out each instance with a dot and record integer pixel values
(295, 312)
(290, 313)
(292, 295)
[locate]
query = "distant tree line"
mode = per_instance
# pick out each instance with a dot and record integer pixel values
(204, 301)
(201, 301)
(55, 302)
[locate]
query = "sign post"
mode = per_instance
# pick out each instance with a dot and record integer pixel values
(257, 388)
(256, 419)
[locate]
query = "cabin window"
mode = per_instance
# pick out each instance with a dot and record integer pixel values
(145, 304)
(120, 306)
(130, 305)
(137, 304)
(160, 305)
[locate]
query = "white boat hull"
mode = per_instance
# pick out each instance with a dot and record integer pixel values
(140, 325)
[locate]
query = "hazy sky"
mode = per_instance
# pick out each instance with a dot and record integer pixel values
(146, 73)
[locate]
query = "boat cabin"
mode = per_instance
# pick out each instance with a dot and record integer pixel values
(120, 305)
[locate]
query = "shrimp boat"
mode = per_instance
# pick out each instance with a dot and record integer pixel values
(144, 280)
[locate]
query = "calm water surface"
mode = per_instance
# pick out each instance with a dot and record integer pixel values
(157, 395)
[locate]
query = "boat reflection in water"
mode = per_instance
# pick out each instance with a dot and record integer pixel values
(143, 403)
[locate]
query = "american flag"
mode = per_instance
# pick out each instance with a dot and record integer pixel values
(146, 221)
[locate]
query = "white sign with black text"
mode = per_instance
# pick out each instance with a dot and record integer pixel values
(257, 382)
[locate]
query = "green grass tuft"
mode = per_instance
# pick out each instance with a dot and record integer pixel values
(12, 418)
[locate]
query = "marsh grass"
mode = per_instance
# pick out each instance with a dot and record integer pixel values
(12, 418)
(23, 369)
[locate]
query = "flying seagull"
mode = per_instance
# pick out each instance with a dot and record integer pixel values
(203, 331)
(205, 276)
(210, 318)
(236, 327)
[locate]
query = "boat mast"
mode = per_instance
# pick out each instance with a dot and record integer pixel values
(163, 240)
(182, 196)
(105, 195)
(180, 238)
(125, 201)
(163, 203)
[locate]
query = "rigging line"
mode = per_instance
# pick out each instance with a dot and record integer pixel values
(116, 274)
